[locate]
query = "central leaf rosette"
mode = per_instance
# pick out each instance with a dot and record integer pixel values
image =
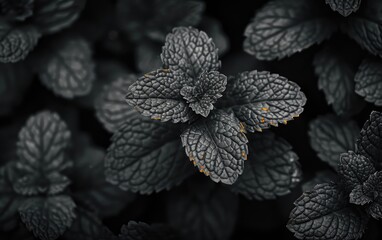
(186, 90)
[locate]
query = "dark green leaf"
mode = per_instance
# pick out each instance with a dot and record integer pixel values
(283, 27)
(16, 42)
(370, 141)
(330, 136)
(157, 95)
(271, 170)
(336, 79)
(69, 70)
(48, 218)
(190, 51)
(261, 99)
(217, 146)
(111, 107)
(325, 213)
(368, 80)
(146, 156)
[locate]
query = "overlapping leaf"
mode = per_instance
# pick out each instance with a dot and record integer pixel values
(260, 99)
(69, 70)
(146, 156)
(48, 218)
(16, 42)
(111, 107)
(331, 136)
(368, 80)
(325, 213)
(217, 146)
(282, 28)
(370, 141)
(272, 169)
(190, 51)
(344, 7)
(336, 79)
(157, 95)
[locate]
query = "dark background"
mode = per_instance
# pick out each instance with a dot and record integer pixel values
(256, 219)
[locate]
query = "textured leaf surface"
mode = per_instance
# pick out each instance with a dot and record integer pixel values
(145, 157)
(282, 28)
(271, 170)
(261, 99)
(42, 144)
(92, 188)
(365, 27)
(111, 107)
(142, 231)
(370, 141)
(206, 91)
(9, 201)
(325, 213)
(48, 218)
(217, 146)
(336, 79)
(331, 136)
(355, 169)
(157, 95)
(191, 51)
(52, 16)
(344, 7)
(368, 81)
(203, 211)
(69, 69)
(16, 43)
(87, 226)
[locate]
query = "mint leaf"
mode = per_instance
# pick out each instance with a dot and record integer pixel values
(368, 80)
(69, 70)
(203, 211)
(282, 28)
(365, 27)
(111, 108)
(206, 91)
(190, 51)
(325, 213)
(344, 7)
(16, 42)
(354, 169)
(336, 79)
(154, 19)
(48, 218)
(52, 16)
(370, 141)
(330, 136)
(145, 157)
(142, 231)
(18, 10)
(215, 29)
(157, 95)
(10, 201)
(217, 146)
(91, 187)
(42, 144)
(369, 193)
(271, 170)
(87, 226)
(261, 99)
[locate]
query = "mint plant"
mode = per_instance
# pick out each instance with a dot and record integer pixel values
(282, 28)
(45, 187)
(25, 21)
(213, 115)
(350, 200)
